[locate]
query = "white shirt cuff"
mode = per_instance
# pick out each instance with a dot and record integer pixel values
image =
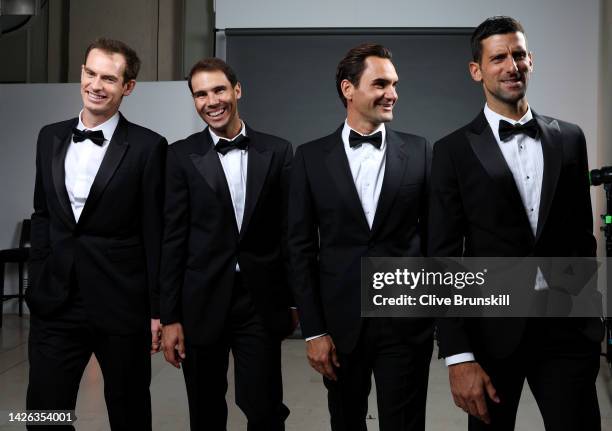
(459, 358)
(315, 336)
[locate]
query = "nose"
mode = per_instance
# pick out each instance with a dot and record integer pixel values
(391, 93)
(512, 64)
(212, 100)
(96, 83)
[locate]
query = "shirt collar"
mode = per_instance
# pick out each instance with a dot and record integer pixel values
(108, 127)
(493, 118)
(346, 131)
(216, 138)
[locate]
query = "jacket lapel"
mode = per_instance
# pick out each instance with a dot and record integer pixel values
(340, 172)
(112, 158)
(395, 165)
(257, 170)
(487, 151)
(553, 156)
(208, 165)
(60, 148)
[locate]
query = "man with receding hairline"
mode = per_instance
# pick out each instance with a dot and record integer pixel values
(96, 233)
(359, 192)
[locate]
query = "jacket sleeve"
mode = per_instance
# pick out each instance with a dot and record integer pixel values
(152, 207)
(175, 237)
(304, 250)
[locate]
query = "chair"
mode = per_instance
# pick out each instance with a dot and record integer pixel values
(20, 257)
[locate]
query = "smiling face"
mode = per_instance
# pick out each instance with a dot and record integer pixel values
(103, 86)
(216, 100)
(371, 102)
(504, 70)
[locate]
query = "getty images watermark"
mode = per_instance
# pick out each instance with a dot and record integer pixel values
(484, 287)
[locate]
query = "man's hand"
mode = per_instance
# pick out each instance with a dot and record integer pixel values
(156, 332)
(469, 383)
(321, 353)
(173, 344)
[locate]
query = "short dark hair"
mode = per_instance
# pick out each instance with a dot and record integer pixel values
(112, 46)
(351, 67)
(490, 27)
(212, 64)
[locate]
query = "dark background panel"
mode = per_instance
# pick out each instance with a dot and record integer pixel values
(288, 78)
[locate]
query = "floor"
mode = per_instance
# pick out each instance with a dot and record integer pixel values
(304, 393)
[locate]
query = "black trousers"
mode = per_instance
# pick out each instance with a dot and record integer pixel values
(560, 366)
(59, 350)
(401, 372)
(257, 372)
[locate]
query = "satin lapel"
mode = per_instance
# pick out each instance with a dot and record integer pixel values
(60, 148)
(112, 158)
(552, 151)
(490, 156)
(257, 171)
(340, 172)
(395, 165)
(209, 166)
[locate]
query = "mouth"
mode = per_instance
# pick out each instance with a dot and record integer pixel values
(94, 97)
(513, 82)
(386, 106)
(216, 113)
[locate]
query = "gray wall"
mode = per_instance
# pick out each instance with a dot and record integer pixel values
(571, 42)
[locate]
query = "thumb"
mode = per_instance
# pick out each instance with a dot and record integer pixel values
(491, 391)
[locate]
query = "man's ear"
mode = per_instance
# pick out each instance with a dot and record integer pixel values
(128, 87)
(347, 88)
(475, 71)
(238, 90)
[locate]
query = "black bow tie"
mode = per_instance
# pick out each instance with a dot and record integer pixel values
(507, 130)
(224, 146)
(97, 136)
(355, 139)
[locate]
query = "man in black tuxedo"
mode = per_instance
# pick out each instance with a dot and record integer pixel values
(96, 233)
(361, 191)
(515, 183)
(224, 283)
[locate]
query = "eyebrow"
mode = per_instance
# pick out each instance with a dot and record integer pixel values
(382, 81)
(88, 70)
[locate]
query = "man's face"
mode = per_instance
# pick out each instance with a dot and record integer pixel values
(102, 86)
(504, 68)
(371, 102)
(217, 102)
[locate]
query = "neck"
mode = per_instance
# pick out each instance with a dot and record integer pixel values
(360, 124)
(230, 131)
(515, 111)
(90, 120)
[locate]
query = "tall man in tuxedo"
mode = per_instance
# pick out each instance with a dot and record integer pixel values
(361, 191)
(515, 183)
(96, 233)
(224, 283)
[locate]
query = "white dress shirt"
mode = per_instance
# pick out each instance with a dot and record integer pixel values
(234, 165)
(525, 159)
(367, 165)
(83, 160)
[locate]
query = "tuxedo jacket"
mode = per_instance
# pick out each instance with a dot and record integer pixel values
(329, 233)
(202, 242)
(476, 210)
(112, 252)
